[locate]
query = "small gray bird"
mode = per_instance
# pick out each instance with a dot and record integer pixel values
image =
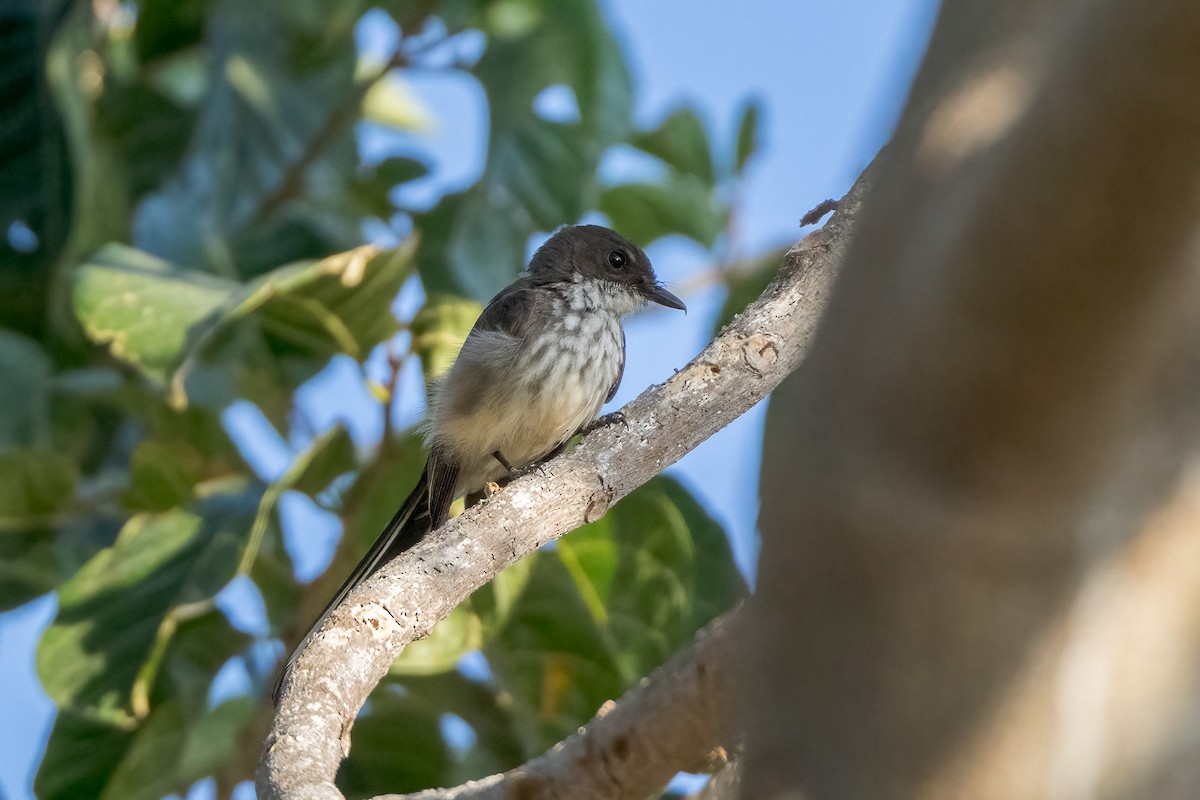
(542, 359)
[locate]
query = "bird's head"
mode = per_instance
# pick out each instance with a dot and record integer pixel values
(604, 258)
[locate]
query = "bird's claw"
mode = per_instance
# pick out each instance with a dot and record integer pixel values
(490, 488)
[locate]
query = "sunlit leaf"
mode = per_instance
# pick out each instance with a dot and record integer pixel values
(451, 639)
(390, 102)
(146, 310)
(159, 562)
(162, 318)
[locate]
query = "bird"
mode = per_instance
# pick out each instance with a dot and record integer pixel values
(543, 358)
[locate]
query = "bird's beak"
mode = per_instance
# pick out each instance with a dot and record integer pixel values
(658, 294)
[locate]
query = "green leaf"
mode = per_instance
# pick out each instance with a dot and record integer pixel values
(147, 769)
(36, 183)
(682, 142)
(647, 211)
(747, 136)
(200, 647)
(331, 454)
(450, 640)
(540, 174)
(483, 706)
(213, 739)
(328, 456)
(24, 392)
(397, 744)
(552, 658)
(163, 318)
(115, 616)
(167, 753)
(496, 601)
(28, 567)
(81, 756)
(381, 486)
(146, 310)
(371, 500)
(371, 189)
(439, 330)
(236, 204)
(610, 603)
(33, 485)
(343, 301)
(148, 131)
(162, 474)
(167, 26)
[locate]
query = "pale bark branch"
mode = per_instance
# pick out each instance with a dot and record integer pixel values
(632, 748)
(332, 678)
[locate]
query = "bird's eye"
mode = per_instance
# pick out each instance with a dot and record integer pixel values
(616, 259)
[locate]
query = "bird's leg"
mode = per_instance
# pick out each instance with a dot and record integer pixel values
(503, 462)
(491, 487)
(514, 473)
(604, 422)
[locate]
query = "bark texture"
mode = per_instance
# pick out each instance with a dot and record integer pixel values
(966, 590)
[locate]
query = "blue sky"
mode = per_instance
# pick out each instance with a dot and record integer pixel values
(831, 77)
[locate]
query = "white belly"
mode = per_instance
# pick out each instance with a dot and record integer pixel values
(553, 386)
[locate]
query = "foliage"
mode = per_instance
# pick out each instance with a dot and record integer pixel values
(183, 200)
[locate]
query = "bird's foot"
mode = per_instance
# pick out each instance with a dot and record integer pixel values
(604, 422)
(490, 488)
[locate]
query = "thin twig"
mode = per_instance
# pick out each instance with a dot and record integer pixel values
(821, 209)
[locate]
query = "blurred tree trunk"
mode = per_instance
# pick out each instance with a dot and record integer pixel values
(980, 574)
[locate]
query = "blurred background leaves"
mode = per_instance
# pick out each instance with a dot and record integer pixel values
(184, 201)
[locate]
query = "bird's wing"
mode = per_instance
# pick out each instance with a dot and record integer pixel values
(515, 311)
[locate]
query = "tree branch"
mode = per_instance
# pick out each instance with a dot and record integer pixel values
(634, 747)
(978, 431)
(332, 678)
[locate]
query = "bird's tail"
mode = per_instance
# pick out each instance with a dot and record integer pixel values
(426, 508)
